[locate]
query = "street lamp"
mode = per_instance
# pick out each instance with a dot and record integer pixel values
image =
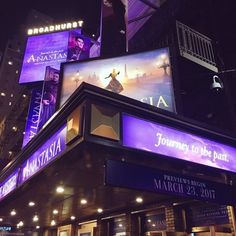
(163, 62)
(77, 78)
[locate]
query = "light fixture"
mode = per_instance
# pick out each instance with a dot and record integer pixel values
(55, 211)
(149, 220)
(53, 222)
(217, 84)
(37, 227)
(139, 200)
(21, 223)
(14, 128)
(120, 225)
(1, 219)
(3, 94)
(72, 217)
(10, 153)
(35, 218)
(60, 189)
(31, 204)
(83, 201)
(10, 63)
(24, 96)
(99, 210)
(13, 212)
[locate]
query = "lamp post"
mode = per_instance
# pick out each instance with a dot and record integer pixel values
(77, 78)
(163, 63)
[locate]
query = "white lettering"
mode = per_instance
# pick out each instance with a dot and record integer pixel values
(35, 163)
(51, 28)
(171, 143)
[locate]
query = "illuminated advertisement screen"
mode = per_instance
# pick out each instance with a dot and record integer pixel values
(160, 139)
(53, 49)
(143, 76)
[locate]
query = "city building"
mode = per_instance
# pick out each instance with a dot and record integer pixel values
(14, 99)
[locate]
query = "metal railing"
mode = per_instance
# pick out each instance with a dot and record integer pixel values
(195, 46)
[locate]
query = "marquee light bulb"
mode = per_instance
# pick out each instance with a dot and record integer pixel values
(83, 201)
(60, 189)
(55, 211)
(13, 213)
(31, 203)
(99, 210)
(139, 200)
(53, 222)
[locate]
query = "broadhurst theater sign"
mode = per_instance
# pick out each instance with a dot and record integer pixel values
(159, 139)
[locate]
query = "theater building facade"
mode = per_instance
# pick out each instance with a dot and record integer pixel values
(109, 165)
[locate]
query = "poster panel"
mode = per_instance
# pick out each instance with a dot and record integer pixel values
(53, 49)
(49, 95)
(144, 76)
(33, 118)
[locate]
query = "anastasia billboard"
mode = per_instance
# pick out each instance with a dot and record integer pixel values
(144, 76)
(53, 49)
(43, 56)
(42, 104)
(164, 140)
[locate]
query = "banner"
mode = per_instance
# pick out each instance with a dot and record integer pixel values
(9, 184)
(33, 118)
(161, 139)
(127, 175)
(49, 98)
(44, 155)
(52, 49)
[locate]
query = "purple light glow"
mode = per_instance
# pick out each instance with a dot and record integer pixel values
(41, 51)
(44, 155)
(160, 139)
(45, 50)
(9, 184)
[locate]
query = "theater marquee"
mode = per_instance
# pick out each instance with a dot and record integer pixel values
(157, 138)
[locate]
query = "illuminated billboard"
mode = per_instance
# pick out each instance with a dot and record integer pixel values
(51, 50)
(44, 155)
(174, 143)
(144, 76)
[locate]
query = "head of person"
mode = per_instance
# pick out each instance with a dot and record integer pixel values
(79, 42)
(55, 76)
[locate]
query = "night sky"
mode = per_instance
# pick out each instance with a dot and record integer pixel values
(13, 13)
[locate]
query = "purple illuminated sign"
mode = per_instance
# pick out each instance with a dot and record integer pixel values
(127, 175)
(160, 139)
(41, 51)
(53, 49)
(31, 127)
(8, 185)
(44, 155)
